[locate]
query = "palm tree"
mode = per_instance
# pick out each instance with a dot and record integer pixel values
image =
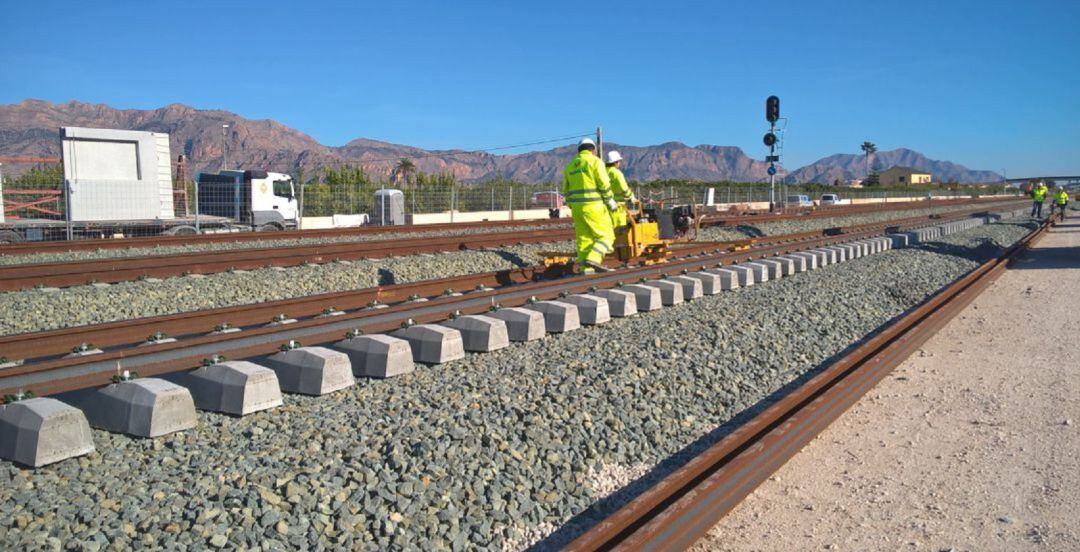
(405, 168)
(869, 148)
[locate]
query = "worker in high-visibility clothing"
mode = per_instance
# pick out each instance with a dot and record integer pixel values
(588, 193)
(620, 190)
(1038, 196)
(1061, 199)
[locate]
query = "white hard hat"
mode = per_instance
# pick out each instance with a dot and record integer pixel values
(586, 142)
(613, 156)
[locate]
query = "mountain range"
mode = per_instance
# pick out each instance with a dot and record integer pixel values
(29, 129)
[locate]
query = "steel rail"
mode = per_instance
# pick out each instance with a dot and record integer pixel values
(60, 341)
(26, 248)
(112, 270)
(63, 274)
(516, 288)
(683, 506)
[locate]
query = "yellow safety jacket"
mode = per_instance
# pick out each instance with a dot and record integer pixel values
(585, 180)
(619, 188)
(1061, 197)
(1039, 194)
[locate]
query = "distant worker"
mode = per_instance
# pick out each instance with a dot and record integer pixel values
(1061, 199)
(1038, 196)
(588, 193)
(620, 190)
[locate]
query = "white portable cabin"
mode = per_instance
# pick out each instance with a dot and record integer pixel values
(116, 175)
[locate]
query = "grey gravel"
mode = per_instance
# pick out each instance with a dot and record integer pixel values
(68, 256)
(721, 233)
(494, 451)
(46, 309)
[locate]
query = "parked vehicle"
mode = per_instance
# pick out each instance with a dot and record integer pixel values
(546, 200)
(799, 201)
(258, 200)
(119, 183)
(829, 199)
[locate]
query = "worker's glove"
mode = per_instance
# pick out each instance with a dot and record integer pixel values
(612, 206)
(631, 200)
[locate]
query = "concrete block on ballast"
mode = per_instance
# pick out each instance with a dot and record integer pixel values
(729, 279)
(827, 256)
(480, 333)
(787, 265)
(647, 297)
(775, 266)
(744, 273)
(761, 272)
(559, 317)
(691, 287)
(432, 343)
(377, 356)
(147, 407)
(40, 431)
(670, 292)
(236, 387)
(710, 282)
(811, 259)
(820, 257)
(839, 253)
(521, 324)
(312, 370)
(592, 309)
(798, 263)
(621, 303)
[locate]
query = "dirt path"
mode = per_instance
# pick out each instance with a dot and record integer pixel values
(972, 444)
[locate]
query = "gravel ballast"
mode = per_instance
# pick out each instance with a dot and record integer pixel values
(742, 231)
(493, 451)
(38, 310)
(70, 256)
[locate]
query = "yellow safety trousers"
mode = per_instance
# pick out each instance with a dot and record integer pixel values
(593, 231)
(618, 216)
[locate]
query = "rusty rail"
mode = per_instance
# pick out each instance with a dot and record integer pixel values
(715, 219)
(63, 274)
(121, 340)
(679, 509)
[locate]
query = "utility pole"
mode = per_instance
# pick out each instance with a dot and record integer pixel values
(772, 114)
(224, 148)
(600, 143)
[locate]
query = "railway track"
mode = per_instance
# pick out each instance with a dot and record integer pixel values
(26, 248)
(325, 318)
(64, 274)
(680, 508)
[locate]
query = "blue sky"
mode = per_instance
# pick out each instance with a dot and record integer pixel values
(992, 85)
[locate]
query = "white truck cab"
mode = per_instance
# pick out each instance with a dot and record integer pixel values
(264, 200)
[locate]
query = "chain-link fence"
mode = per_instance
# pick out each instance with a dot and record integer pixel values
(38, 206)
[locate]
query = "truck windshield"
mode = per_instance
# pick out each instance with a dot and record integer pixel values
(283, 188)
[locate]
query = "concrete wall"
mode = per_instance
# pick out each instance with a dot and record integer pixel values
(117, 174)
(479, 216)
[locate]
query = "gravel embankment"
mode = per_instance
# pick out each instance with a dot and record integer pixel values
(490, 452)
(69, 256)
(35, 310)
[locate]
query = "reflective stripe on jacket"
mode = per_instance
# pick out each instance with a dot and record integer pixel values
(585, 180)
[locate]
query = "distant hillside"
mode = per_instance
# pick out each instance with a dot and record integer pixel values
(853, 166)
(29, 128)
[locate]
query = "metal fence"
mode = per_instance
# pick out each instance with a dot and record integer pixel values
(38, 206)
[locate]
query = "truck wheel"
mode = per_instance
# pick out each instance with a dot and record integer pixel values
(10, 236)
(180, 231)
(269, 227)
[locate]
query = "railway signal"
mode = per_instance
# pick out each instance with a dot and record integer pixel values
(772, 114)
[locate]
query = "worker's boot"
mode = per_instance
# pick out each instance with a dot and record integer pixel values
(595, 266)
